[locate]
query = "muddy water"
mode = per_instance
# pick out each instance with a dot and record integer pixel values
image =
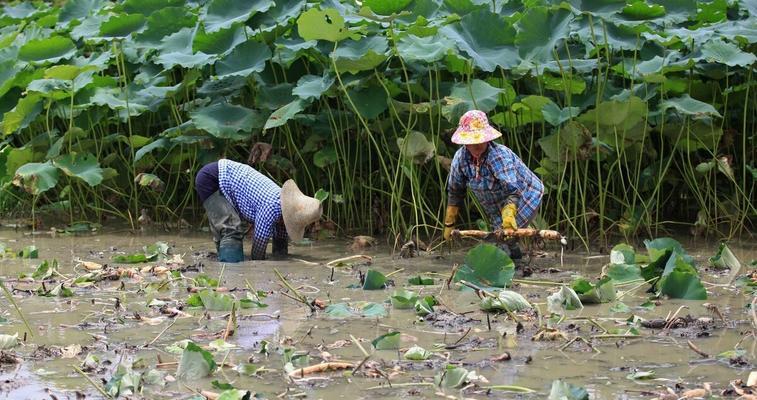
(103, 320)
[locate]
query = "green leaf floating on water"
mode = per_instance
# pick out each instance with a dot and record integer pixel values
(603, 291)
(374, 280)
(725, 258)
(356, 309)
(622, 254)
(683, 283)
(623, 272)
(506, 300)
(417, 353)
(130, 258)
(641, 375)
(488, 266)
(452, 377)
(195, 363)
(8, 341)
(403, 299)
(29, 252)
(420, 281)
(211, 300)
(563, 300)
(425, 306)
(389, 341)
(45, 270)
(562, 390)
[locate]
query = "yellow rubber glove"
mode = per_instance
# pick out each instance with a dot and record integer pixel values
(449, 221)
(508, 217)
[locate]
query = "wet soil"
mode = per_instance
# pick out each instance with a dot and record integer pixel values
(133, 318)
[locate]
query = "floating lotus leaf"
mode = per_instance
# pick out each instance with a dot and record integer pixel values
(602, 291)
(36, 178)
(537, 45)
(727, 53)
(506, 300)
(427, 49)
(195, 363)
(389, 341)
(562, 390)
(486, 38)
(563, 300)
(219, 42)
(222, 14)
(478, 95)
(52, 49)
(78, 9)
(311, 87)
(486, 265)
(327, 24)
(224, 120)
(85, 167)
(359, 55)
(682, 283)
(121, 26)
(285, 113)
(165, 22)
(245, 59)
(414, 146)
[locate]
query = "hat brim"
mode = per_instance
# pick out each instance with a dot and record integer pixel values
(478, 136)
(298, 210)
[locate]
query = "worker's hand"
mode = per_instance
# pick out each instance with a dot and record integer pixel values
(449, 221)
(508, 217)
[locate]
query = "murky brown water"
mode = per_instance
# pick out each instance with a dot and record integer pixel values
(90, 319)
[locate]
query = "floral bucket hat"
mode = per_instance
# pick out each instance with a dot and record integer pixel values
(474, 128)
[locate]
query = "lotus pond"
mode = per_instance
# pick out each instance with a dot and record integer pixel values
(177, 324)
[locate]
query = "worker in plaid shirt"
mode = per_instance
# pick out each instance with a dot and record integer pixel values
(232, 192)
(508, 191)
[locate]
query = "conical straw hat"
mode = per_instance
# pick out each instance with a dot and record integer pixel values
(298, 210)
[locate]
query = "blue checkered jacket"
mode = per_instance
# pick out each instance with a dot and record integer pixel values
(502, 178)
(257, 199)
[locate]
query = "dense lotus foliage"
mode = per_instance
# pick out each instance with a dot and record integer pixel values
(634, 113)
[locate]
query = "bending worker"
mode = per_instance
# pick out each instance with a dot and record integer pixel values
(231, 192)
(508, 191)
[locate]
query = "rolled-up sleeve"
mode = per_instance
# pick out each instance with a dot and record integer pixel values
(457, 184)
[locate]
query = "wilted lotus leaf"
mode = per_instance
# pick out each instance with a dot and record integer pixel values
(150, 181)
(416, 147)
(259, 153)
(36, 178)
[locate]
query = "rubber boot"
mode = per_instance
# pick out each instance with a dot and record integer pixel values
(230, 254)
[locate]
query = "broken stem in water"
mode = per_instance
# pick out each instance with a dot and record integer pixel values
(299, 296)
(9, 296)
(91, 382)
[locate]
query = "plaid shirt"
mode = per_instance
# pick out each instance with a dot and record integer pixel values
(256, 198)
(501, 178)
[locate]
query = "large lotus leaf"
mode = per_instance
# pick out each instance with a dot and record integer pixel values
(285, 113)
(289, 50)
(659, 247)
(370, 102)
(165, 22)
(278, 15)
(273, 97)
(327, 24)
(486, 38)
(642, 11)
(195, 363)
(78, 9)
(219, 42)
(623, 272)
(416, 147)
(114, 99)
(603, 291)
(176, 49)
(8, 71)
(478, 95)
(563, 300)
(224, 120)
(322, 159)
(564, 144)
(596, 7)
(695, 136)
(360, 55)
(245, 59)
(537, 45)
(688, 106)
(85, 167)
(616, 36)
(226, 86)
(121, 26)
(682, 283)
(506, 300)
(677, 10)
(311, 87)
(25, 111)
(555, 115)
(147, 7)
(619, 114)
(36, 178)
(56, 89)
(161, 143)
(20, 11)
(727, 53)
(89, 27)
(222, 14)
(387, 7)
(427, 49)
(52, 49)
(744, 31)
(486, 265)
